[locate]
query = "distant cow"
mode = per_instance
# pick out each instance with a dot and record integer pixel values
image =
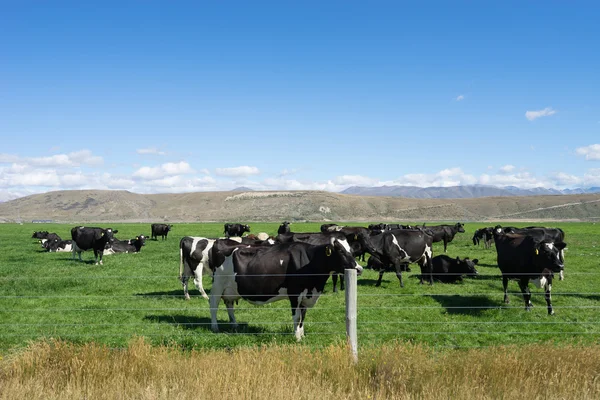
(399, 247)
(445, 233)
(485, 235)
(160, 230)
(125, 246)
(85, 238)
(235, 229)
(377, 227)
(326, 228)
(261, 275)
(40, 235)
(450, 270)
(58, 246)
(284, 228)
(524, 258)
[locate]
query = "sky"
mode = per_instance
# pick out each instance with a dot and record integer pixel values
(170, 97)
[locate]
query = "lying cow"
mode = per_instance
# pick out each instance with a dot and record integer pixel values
(58, 246)
(125, 246)
(525, 258)
(261, 275)
(451, 270)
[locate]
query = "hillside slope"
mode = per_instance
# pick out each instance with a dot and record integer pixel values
(123, 206)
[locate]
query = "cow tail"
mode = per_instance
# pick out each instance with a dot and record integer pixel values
(180, 261)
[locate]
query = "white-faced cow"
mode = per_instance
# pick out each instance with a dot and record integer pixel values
(450, 270)
(235, 229)
(284, 227)
(399, 247)
(524, 258)
(125, 246)
(161, 230)
(194, 253)
(261, 275)
(445, 233)
(85, 238)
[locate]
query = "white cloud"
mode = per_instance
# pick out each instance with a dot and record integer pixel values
(565, 180)
(164, 170)
(74, 159)
(237, 171)
(546, 112)
(151, 150)
(460, 97)
(507, 169)
(591, 152)
(354, 180)
(286, 172)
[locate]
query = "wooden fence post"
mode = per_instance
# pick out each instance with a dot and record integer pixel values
(351, 312)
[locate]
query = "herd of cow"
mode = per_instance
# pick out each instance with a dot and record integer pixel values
(296, 266)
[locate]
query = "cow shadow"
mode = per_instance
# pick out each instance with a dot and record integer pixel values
(465, 305)
(171, 293)
(370, 282)
(192, 323)
(487, 265)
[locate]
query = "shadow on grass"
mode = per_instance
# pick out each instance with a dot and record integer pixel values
(465, 305)
(487, 265)
(370, 282)
(195, 323)
(194, 293)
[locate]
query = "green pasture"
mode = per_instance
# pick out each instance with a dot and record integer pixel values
(49, 295)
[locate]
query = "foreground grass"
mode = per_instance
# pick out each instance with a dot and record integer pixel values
(60, 370)
(45, 295)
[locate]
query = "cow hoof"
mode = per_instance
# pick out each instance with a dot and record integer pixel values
(187, 296)
(551, 313)
(215, 329)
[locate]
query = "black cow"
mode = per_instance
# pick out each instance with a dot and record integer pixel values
(445, 233)
(58, 246)
(284, 227)
(160, 230)
(377, 227)
(524, 258)
(261, 275)
(450, 270)
(235, 229)
(399, 247)
(326, 228)
(40, 235)
(125, 246)
(85, 238)
(485, 235)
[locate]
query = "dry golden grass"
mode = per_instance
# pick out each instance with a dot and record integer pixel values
(59, 370)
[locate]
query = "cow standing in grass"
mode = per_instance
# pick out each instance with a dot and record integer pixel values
(85, 238)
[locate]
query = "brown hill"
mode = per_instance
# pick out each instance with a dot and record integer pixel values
(122, 206)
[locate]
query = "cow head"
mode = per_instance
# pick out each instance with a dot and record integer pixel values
(108, 233)
(547, 256)
(342, 256)
(169, 227)
(460, 227)
(466, 266)
(246, 228)
(360, 242)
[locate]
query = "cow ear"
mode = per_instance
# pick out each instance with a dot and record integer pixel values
(137, 238)
(116, 231)
(475, 261)
(355, 236)
(328, 251)
(560, 245)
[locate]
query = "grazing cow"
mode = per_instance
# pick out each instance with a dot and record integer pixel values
(284, 227)
(261, 275)
(445, 233)
(40, 235)
(399, 247)
(235, 229)
(450, 270)
(194, 253)
(91, 238)
(125, 246)
(160, 230)
(524, 258)
(485, 235)
(58, 246)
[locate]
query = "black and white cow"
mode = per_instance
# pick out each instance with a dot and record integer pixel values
(450, 270)
(261, 275)
(395, 249)
(327, 228)
(284, 227)
(235, 229)
(58, 246)
(49, 237)
(161, 230)
(445, 233)
(524, 258)
(194, 253)
(125, 246)
(85, 238)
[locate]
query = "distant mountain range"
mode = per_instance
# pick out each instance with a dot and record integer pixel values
(460, 192)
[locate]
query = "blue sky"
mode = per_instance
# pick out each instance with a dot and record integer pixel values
(157, 97)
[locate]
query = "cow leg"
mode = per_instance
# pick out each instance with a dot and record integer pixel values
(379, 280)
(215, 297)
(184, 282)
(399, 274)
(334, 279)
(198, 283)
(96, 257)
(341, 281)
(549, 297)
(445, 245)
(505, 285)
(231, 313)
(298, 314)
(524, 285)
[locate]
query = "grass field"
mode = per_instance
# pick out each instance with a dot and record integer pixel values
(47, 295)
